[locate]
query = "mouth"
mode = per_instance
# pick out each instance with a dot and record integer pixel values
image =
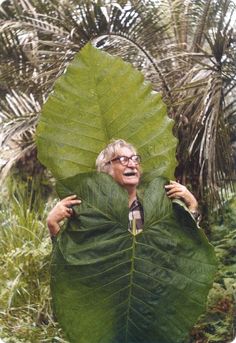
(130, 173)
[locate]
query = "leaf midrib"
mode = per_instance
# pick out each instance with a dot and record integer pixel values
(130, 288)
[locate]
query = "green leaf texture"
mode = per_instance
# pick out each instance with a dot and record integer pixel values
(99, 98)
(109, 286)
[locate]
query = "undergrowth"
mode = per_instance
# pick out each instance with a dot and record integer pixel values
(25, 301)
(26, 315)
(218, 324)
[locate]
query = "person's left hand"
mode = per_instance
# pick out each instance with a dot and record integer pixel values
(176, 190)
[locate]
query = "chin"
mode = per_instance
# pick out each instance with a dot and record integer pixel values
(131, 182)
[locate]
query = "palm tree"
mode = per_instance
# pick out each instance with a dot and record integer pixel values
(186, 48)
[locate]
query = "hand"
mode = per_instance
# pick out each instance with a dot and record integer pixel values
(176, 190)
(63, 209)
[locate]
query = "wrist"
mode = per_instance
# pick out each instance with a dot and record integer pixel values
(193, 205)
(193, 209)
(53, 227)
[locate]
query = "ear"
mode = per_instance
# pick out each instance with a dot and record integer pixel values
(107, 168)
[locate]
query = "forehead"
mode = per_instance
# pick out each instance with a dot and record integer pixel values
(125, 151)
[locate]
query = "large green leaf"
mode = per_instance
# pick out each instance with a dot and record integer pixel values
(101, 97)
(112, 287)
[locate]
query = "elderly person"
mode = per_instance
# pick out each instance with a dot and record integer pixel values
(120, 160)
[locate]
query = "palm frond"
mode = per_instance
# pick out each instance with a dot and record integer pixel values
(185, 48)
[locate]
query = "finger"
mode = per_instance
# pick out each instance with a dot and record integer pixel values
(168, 186)
(75, 202)
(172, 185)
(172, 182)
(171, 192)
(69, 210)
(67, 215)
(175, 195)
(70, 197)
(174, 190)
(70, 203)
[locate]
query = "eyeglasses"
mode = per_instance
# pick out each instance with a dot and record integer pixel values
(124, 160)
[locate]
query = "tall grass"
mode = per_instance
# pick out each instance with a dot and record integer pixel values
(25, 246)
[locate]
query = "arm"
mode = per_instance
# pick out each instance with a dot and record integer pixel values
(59, 212)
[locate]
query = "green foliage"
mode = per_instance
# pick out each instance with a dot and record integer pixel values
(187, 49)
(25, 309)
(32, 320)
(111, 286)
(218, 324)
(101, 97)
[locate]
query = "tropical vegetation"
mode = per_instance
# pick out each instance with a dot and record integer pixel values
(100, 98)
(25, 302)
(130, 286)
(102, 273)
(187, 50)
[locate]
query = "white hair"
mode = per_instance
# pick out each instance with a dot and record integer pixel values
(110, 152)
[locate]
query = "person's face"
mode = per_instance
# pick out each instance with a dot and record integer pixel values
(128, 175)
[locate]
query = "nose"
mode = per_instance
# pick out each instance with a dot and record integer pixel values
(131, 163)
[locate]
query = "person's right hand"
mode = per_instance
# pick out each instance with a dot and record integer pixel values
(63, 209)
